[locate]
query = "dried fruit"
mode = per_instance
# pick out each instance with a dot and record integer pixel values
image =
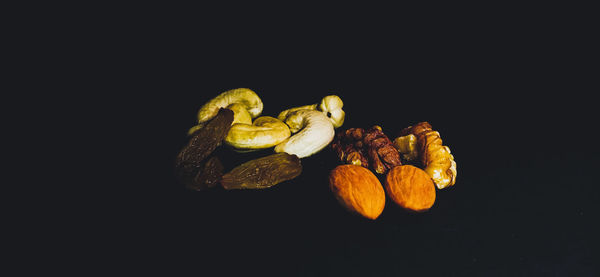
(434, 157)
(190, 160)
(368, 148)
(208, 176)
(410, 187)
(357, 189)
(263, 172)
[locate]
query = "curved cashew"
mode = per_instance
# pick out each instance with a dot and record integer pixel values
(330, 105)
(265, 132)
(243, 96)
(240, 114)
(244, 103)
(315, 131)
(284, 114)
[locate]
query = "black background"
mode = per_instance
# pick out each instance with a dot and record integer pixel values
(511, 101)
(523, 203)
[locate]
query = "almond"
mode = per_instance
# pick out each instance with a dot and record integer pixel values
(358, 189)
(410, 187)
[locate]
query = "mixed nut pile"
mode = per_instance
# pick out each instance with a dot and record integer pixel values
(413, 163)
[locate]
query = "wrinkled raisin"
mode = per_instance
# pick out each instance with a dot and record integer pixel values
(189, 163)
(209, 176)
(263, 172)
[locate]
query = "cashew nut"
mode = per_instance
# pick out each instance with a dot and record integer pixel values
(240, 114)
(284, 114)
(315, 131)
(244, 103)
(265, 132)
(243, 96)
(330, 105)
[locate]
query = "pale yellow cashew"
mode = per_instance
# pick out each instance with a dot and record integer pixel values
(240, 114)
(284, 114)
(330, 105)
(246, 97)
(265, 132)
(195, 128)
(314, 132)
(244, 102)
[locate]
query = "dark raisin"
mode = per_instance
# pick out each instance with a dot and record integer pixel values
(209, 176)
(190, 161)
(263, 172)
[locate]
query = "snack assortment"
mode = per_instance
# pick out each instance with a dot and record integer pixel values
(411, 165)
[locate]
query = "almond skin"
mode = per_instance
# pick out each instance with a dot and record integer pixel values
(410, 187)
(358, 189)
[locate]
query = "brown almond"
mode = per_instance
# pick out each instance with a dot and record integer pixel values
(410, 187)
(357, 189)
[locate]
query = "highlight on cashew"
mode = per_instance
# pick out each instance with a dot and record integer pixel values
(313, 131)
(265, 132)
(244, 102)
(330, 105)
(240, 114)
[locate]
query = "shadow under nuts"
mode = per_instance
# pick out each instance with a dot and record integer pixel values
(410, 187)
(357, 189)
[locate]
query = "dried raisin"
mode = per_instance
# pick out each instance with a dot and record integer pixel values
(190, 161)
(263, 172)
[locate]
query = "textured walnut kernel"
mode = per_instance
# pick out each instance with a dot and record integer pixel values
(369, 148)
(349, 147)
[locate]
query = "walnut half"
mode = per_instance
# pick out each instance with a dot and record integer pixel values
(369, 148)
(421, 143)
